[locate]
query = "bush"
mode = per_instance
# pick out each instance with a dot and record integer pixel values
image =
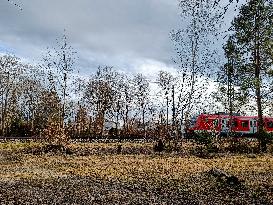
(242, 145)
(203, 138)
(264, 138)
(207, 140)
(18, 128)
(268, 136)
(159, 146)
(54, 134)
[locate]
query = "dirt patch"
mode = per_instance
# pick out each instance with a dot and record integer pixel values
(198, 189)
(79, 190)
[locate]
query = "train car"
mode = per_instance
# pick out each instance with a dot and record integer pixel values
(244, 125)
(204, 122)
(268, 121)
(222, 124)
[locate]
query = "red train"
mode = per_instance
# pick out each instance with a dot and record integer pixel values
(221, 122)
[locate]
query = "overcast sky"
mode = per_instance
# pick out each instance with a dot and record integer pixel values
(131, 35)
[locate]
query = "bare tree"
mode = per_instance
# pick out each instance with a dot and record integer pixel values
(142, 97)
(59, 64)
(192, 43)
(166, 81)
(100, 94)
(128, 97)
(10, 71)
(15, 4)
(31, 94)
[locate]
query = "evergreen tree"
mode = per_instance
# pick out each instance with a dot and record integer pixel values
(253, 34)
(229, 78)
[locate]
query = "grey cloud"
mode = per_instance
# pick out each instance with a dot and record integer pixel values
(102, 31)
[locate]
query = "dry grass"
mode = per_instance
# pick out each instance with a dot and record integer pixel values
(129, 168)
(123, 166)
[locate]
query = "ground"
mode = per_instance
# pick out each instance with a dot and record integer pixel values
(95, 173)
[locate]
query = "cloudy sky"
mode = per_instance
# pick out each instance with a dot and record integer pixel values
(131, 35)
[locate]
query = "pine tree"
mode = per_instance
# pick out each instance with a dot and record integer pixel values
(253, 34)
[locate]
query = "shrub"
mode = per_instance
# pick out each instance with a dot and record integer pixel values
(202, 138)
(269, 141)
(207, 140)
(242, 145)
(264, 138)
(159, 146)
(54, 134)
(268, 136)
(18, 128)
(119, 148)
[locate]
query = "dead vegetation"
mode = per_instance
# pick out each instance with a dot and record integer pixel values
(130, 173)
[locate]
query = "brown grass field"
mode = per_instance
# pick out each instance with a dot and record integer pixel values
(94, 173)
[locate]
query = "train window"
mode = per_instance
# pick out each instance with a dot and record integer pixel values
(234, 123)
(225, 123)
(215, 122)
(244, 123)
(270, 124)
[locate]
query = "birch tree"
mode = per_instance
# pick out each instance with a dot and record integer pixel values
(142, 98)
(59, 64)
(193, 44)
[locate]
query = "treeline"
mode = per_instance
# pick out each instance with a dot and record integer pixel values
(50, 99)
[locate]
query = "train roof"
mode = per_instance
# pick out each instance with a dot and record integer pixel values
(246, 117)
(224, 115)
(213, 115)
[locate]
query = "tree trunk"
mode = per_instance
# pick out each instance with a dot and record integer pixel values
(64, 95)
(173, 117)
(2, 116)
(5, 113)
(258, 82)
(126, 120)
(89, 126)
(143, 121)
(193, 71)
(167, 124)
(117, 119)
